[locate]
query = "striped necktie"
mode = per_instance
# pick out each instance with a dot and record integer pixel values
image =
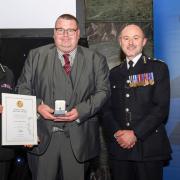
(67, 66)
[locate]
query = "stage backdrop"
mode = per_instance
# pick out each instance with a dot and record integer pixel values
(167, 48)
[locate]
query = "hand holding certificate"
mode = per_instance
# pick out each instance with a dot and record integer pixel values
(19, 119)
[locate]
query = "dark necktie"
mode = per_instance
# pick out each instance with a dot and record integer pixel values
(130, 66)
(67, 66)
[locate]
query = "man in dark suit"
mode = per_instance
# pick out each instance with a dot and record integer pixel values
(65, 71)
(136, 115)
(6, 153)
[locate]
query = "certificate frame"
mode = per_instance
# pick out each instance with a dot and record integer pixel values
(19, 119)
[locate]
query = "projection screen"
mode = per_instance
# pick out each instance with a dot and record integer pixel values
(36, 18)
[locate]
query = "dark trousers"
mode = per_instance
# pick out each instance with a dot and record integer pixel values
(4, 169)
(131, 170)
(58, 162)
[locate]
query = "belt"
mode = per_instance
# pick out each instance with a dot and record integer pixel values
(55, 129)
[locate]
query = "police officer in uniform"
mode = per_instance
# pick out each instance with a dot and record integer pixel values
(136, 114)
(6, 154)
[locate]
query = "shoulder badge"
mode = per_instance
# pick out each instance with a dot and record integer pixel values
(145, 59)
(2, 68)
(160, 60)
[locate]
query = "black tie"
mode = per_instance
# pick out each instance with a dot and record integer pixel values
(130, 66)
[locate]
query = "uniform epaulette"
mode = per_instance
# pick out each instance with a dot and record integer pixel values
(160, 60)
(149, 58)
(2, 67)
(153, 59)
(157, 60)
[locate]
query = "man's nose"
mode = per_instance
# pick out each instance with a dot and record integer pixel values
(65, 33)
(130, 41)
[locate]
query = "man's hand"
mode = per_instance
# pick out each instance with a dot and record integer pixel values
(45, 111)
(125, 138)
(30, 145)
(69, 116)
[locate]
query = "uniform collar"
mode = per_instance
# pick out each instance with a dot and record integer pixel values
(135, 60)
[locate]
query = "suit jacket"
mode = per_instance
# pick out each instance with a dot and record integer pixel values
(90, 91)
(6, 86)
(142, 106)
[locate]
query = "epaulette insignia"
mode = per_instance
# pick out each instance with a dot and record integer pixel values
(158, 60)
(2, 68)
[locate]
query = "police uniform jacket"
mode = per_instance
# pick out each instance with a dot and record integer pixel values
(6, 86)
(139, 102)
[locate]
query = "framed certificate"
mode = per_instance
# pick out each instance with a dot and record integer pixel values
(19, 119)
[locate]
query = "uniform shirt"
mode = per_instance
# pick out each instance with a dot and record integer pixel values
(135, 60)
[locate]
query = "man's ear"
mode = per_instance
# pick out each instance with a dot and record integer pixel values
(119, 39)
(144, 41)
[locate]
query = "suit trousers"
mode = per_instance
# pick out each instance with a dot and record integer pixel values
(4, 169)
(132, 170)
(58, 162)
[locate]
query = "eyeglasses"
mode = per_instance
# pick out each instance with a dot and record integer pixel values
(61, 31)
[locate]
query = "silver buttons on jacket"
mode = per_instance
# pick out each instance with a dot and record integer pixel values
(127, 109)
(127, 95)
